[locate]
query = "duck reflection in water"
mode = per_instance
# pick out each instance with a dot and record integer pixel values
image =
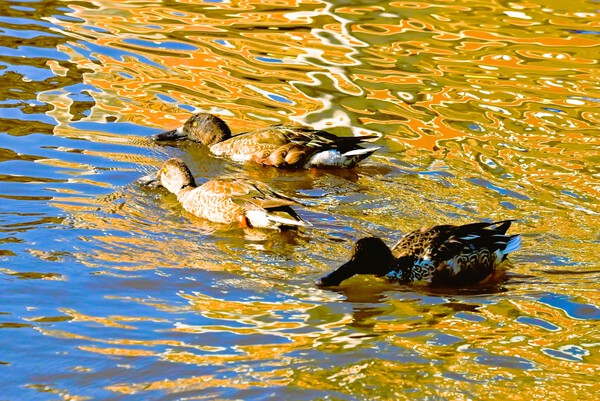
(226, 201)
(277, 145)
(373, 298)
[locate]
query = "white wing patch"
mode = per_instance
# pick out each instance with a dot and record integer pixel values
(332, 158)
(357, 152)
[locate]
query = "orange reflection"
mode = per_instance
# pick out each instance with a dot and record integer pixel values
(484, 114)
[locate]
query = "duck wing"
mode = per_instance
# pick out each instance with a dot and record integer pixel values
(419, 243)
(455, 255)
(262, 196)
(213, 201)
(250, 146)
(324, 140)
(314, 148)
(469, 254)
(233, 201)
(267, 208)
(284, 147)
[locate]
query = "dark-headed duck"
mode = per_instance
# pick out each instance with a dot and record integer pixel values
(444, 255)
(277, 145)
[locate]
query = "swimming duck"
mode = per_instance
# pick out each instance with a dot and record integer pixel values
(444, 255)
(228, 202)
(277, 145)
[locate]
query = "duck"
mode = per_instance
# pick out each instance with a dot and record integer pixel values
(443, 255)
(279, 146)
(233, 201)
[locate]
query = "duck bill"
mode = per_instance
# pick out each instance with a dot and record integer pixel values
(340, 274)
(150, 180)
(173, 135)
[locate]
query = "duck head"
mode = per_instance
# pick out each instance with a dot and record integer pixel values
(173, 175)
(369, 256)
(201, 127)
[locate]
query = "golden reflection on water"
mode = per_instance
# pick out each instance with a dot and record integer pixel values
(486, 110)
(512, 339)
(478, 73)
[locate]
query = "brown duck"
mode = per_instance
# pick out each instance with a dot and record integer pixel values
(226, 201)
(277, 145)
(444, 255)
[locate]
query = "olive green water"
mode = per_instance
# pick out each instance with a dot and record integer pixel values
(486, 110)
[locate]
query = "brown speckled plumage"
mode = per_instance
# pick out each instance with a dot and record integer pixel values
(443, 255)
(277, 145)
(227, 201)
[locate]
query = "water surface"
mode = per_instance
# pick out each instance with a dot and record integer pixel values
(486, 110)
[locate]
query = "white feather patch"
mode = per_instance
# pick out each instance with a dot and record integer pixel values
(357, 152)
(261, 218)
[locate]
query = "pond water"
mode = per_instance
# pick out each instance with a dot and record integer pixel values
(485, 110)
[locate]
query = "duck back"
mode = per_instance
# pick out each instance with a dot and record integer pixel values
(454, 255)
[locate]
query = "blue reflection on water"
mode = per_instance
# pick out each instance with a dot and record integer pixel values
(570, 193)
(166, 98)
(32, 52)
(114, 128)
(26, 21)
(69, 18)
(475, 127)
(511, 362)
(573, 309)
(569, 352)
(80, 87)
(553, 110)
(584, 31)
(443, 339)
(187, 107)
(17, 114)
(269, 60)
(161, 45)
(470, 317)
(21, 8)
(26, 34)
(544, 324)
(116, 54)
(21, 102)
(279, 98)
(509, 205)
(32, 73)
(502, 191)
(96, 29)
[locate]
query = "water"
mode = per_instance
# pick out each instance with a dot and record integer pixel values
(487, 110)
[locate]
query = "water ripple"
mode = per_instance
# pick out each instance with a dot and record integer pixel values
(483, 110)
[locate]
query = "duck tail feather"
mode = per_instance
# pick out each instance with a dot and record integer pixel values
(513, 244)
(287, 222)
(501, 226)
(361, 151)
(293, 220)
